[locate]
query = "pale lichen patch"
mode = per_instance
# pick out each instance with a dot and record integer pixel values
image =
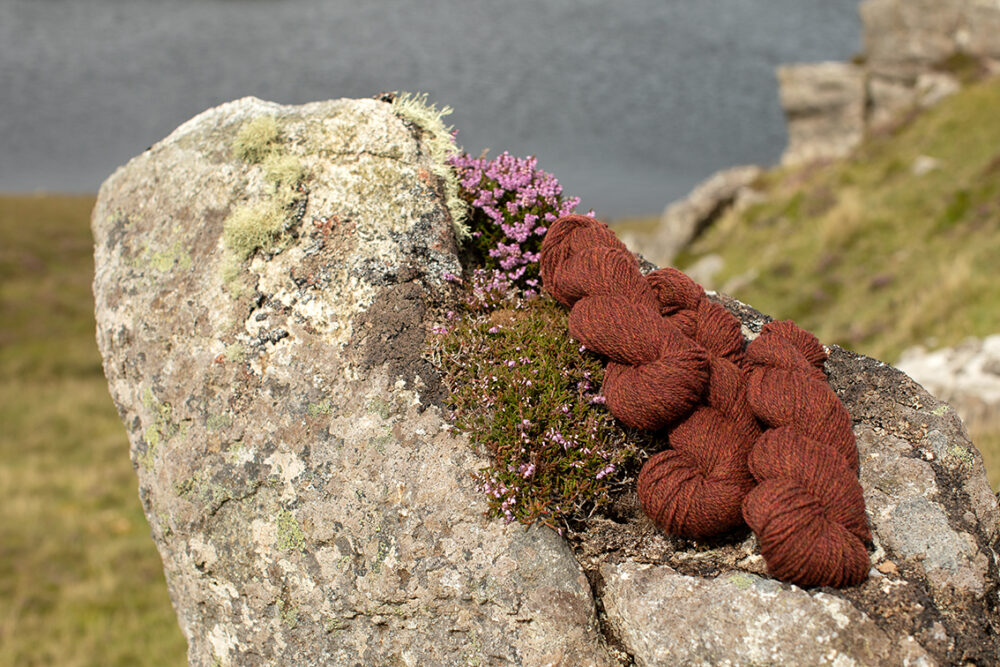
(440, 143)
(286, 467)
(256, 139)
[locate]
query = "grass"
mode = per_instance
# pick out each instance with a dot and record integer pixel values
(870, 255)
(81, 582)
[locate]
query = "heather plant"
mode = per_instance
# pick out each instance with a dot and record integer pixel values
(512, 202)
(526, 393)
(529, 396)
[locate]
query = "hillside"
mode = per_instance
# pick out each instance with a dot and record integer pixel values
(80, 580)
(894, 246)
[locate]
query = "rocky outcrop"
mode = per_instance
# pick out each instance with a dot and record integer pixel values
(824, 105)
(312, 506)
(967, 376)
(683, 220)
(905, 38)
(309, 503)
(915, 54)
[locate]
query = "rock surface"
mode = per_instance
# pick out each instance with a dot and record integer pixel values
(824, 107)
(913, 51)
(309, 503)
(967, 376)
(312, 507)
(683, 220)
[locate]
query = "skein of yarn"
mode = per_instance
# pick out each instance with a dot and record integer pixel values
(808, 511)
(673, 363)
(677, 362)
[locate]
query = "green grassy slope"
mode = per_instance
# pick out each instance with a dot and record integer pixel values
(80, 580)
(870, 255)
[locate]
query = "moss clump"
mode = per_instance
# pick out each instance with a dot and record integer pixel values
(252, 226)
(256, 139)
(440, 144)
(528, 395)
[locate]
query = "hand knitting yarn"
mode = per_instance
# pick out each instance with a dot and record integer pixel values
(808, 510)
(676, 362)
(673, 363)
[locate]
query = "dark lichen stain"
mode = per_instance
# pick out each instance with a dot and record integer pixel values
(391, 333)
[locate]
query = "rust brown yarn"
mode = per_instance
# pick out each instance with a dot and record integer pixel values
(676, 362)
(673, 363)
(808, 509)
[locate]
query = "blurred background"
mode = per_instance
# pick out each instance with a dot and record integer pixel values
(870, 216)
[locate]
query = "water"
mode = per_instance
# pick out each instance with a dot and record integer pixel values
(629, 103)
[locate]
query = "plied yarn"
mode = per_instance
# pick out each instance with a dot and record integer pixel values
(756, 434)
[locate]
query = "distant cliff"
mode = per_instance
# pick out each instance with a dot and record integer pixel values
(916, 52)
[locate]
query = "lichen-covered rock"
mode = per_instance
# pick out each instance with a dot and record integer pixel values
(931, 596)
(263, 291)
(308, 502)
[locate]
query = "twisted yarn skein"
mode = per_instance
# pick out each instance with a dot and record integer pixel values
(808, 510)
(673, 363)
(677, 362)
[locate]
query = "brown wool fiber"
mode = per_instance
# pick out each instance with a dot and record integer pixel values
(755, 435)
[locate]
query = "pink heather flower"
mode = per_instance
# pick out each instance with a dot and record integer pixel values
(521, 199)
(606, 471)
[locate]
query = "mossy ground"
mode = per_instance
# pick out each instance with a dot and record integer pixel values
(80, 580)
(869, 253)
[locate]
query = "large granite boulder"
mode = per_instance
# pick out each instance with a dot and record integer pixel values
(309, 503)
(265, 279)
